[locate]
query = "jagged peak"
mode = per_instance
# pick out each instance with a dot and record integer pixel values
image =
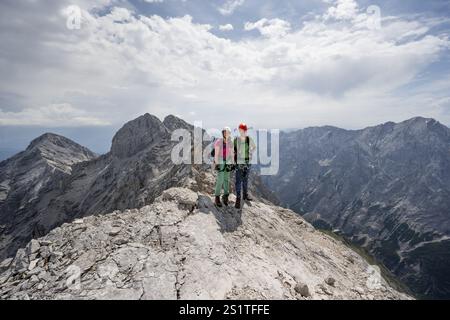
(138, 134)
(419, 119)
(421, 125)
(173, 122)
(422, 121)
(44, 139)
(53, 139)
(388, 124)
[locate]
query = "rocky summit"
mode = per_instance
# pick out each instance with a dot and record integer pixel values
(183, 247)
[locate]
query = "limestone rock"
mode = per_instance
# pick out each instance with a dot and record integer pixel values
(302, 289)
(33, 247)
(167, 251)
(330, 281)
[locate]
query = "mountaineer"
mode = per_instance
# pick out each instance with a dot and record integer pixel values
(244, 146)
(224, 164)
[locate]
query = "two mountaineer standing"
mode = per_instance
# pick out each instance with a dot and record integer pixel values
(233, 155)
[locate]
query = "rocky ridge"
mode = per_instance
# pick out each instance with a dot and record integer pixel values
(183, 247)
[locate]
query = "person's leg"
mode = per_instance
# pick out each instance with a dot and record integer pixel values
(238, 188)
(226, 183)
(245, 184)
(226, 187)
(219, 184)
(238, 183)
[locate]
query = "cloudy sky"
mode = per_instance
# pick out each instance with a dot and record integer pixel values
(270, 63)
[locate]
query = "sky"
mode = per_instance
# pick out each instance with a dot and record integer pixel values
(83, 68)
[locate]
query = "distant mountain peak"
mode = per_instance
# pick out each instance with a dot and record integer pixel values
(420, 126)
(421, 121)
(49, 138)
(59, 151)
(138, 134)
(173, 122)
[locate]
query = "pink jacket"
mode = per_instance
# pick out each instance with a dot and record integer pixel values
(220, 151)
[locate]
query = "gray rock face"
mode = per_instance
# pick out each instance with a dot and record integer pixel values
(138, 135)
(183, 247)
(173, 123)
(25, 177)
(386, 188)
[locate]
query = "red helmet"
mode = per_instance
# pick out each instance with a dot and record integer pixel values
(243, 126)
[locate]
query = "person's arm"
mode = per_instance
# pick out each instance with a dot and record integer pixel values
(252, 146)
(233, 154)
(216, 153)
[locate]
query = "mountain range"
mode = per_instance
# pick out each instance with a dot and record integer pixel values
(130, 224)
(385, 188)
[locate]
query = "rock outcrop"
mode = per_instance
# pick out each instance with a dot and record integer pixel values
(139, 135)
(386, 188)
(183, 247)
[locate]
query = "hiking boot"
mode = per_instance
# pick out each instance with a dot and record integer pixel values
(217, 202)
(225, 200)
(247, 198)
(238, 203)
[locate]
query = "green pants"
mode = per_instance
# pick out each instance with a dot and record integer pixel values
(223, 181)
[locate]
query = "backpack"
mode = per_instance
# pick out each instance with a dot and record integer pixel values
(213, 149)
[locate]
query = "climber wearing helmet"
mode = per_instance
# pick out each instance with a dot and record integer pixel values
(244, 146)
(224, 164)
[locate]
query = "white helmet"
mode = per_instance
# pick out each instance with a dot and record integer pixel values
(226, 129)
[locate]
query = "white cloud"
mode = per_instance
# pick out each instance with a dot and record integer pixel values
(54, 115)
(269, 28)
(342, 9)
(120, 15)
(230, 6)
(122, 64)
(226, 27)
